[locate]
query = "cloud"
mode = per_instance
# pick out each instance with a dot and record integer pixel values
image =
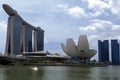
(116, 28)
(98, 27)
(100, 7)
(63, 6)
(94, 8)
(3, 30)
(75, 12)
(3, 26)
(97, 7)
(97, 4)
(115, 6)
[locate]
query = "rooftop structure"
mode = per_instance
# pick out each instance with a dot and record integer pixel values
(81, 50)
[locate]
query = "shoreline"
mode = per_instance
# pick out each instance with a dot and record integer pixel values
(79, 65)
(31, 62)
(60, 64)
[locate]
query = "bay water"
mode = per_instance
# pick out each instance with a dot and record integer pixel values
(59, 73)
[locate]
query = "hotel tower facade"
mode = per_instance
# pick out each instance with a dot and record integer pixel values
(21, 36)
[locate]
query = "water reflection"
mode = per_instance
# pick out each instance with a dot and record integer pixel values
(55, 73)
(2, 76)
(59, 73)
(23, 73)
(82, 73)
(106, 73)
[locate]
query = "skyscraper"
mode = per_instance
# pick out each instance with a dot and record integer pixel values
(20, 36)
(103, 51)
(40, 39)
(115, 52)
(13, 35)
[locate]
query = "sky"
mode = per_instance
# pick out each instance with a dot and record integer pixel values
(62, 19)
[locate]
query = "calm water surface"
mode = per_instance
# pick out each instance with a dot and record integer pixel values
(59, 73)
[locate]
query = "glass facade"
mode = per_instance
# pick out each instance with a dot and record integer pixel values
(103, 51)
(115, 52)
(14, 33)
(28, 38)
(17, 27)
(40, 40)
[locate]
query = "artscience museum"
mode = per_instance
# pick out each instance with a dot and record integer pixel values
(81, 50)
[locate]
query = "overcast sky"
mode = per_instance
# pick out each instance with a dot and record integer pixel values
(62, 19)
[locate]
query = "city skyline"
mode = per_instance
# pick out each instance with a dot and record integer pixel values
(98, 19)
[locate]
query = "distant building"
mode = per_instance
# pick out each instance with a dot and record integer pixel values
(115, 52)
(103, 51)
(22, 36)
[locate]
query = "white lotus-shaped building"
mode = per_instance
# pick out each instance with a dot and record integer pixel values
(81, 50)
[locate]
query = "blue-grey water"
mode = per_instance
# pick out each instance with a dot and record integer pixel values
(59, 73)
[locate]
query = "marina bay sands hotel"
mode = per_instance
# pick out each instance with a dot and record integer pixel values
(21, 36)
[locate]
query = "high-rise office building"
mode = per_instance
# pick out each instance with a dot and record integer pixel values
(103, 51)
(115, 52)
